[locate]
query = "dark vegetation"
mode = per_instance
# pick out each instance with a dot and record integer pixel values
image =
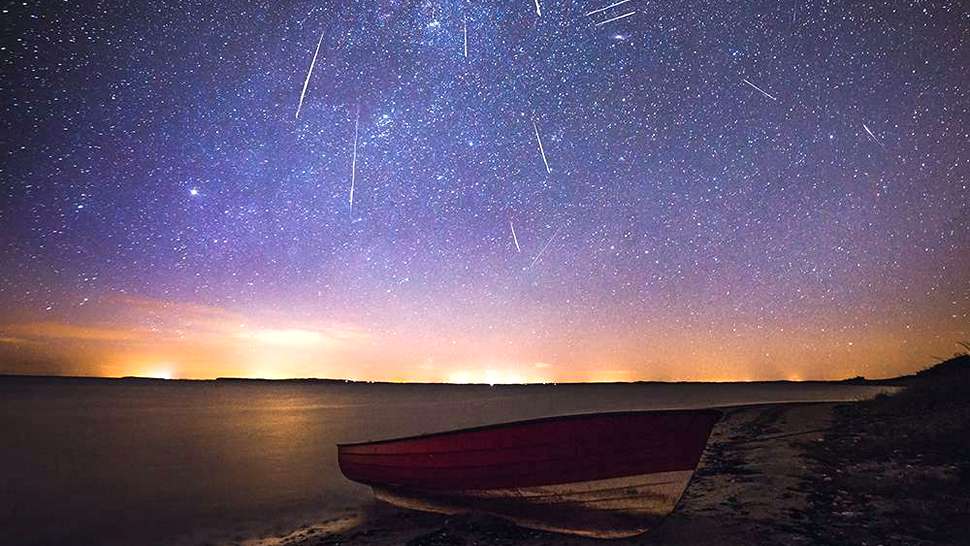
(896, 469)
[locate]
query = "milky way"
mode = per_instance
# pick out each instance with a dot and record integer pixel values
(733, 190)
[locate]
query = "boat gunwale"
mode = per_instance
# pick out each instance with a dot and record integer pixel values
(510, 424)
(484, 450)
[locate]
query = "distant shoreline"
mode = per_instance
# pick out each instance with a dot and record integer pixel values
(892, 381)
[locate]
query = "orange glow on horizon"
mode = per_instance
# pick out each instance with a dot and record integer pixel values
(136, 337)
(161, 371)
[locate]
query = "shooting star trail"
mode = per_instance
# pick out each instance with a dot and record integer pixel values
(617, 18)
(514, 238)
(544, 247)
(613, 5)
(873, 136)
(308, 73)
(353, 162)
(760, 90)
(538, 9)
(465, 29)
(541, 150)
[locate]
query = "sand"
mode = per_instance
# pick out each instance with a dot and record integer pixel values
(751, 487)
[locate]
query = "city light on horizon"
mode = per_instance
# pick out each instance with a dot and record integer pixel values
(154, 338)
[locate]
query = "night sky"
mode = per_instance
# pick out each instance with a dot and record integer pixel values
(724, 190)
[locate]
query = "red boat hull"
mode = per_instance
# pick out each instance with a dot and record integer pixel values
(605, 475)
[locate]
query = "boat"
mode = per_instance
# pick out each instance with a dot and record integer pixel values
(603, 475)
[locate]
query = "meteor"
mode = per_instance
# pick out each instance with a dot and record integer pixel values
(308, 73)
(760, 90)
(544, 247)
(613, 5)
(542, 151)
(872, 136)
(617, 18)
(514, 238)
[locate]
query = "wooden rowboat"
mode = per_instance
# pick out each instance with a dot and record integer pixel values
(605, 475)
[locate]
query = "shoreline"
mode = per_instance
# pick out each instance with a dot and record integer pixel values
(750, 484)
(894, 381)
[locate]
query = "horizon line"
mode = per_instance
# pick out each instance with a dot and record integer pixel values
(5, 375)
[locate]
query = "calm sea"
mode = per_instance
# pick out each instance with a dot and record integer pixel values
(179, 462)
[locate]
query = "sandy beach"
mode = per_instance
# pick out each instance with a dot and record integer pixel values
(751, 485)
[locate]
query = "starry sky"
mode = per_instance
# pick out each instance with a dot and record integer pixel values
(551, 191)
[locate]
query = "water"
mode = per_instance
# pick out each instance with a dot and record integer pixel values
(156, 462)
